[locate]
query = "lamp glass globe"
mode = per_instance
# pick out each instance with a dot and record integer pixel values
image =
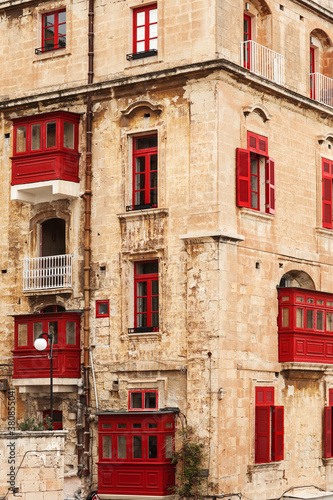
(40, 344)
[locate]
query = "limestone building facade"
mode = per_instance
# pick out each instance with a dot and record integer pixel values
(166, 175)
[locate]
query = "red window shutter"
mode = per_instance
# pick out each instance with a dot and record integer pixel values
(327, 195)
(270, 186)
(278, 433)
(257, 144)
(262, 434)
(243, 178)
(328, 431)
(330, 394)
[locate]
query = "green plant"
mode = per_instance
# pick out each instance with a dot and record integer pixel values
(33, 424)
(190, 458)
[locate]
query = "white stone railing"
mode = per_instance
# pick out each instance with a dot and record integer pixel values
(43, 273)
(321, 88)
(263, 61)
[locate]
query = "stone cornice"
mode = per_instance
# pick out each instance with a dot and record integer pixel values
(195, 70)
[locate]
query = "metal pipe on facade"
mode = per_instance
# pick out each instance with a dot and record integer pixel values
(87, 237)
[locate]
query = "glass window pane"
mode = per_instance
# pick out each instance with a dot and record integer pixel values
(49, 44)
(329, 303)
(300, 299)
(107, 452)
(49, 20)
(69, 135)
(153, 162)
(320, 302)
(122, 452)
(153, 44)
(106, 426)
(20, 139)
(152, 426)
(320, 320)
(51, 134)
(140, 33)
(150, 400)
(140, 46)
(153, 16)
(168, 446)
(141, 305)
(329, 322)
(37, 330)
(140, 18)
(147, 268)
(62, 42)
(22, 334)
(35, 136)
(152, 446)
(153, 180)
(153, 196)
(299, 318)
(154, 319)
(136, 400)
(154, 304)
(153, 31)
(102, 308)
(285, 317)
(309, 319)
(139, 198)
(53, 330)
(62, 17)
(310, 301)
(168, 425)
(141, 320)
(146, 142)
(137, 426)
(140, 165)
(137, 447)
(121, 426)
(62, 30)
(285, 298)
(70, 333)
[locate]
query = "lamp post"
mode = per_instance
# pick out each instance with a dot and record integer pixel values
(41, 344)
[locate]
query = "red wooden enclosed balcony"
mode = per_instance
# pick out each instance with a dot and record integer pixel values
(135, 454)
(32, 364)
(305, 325)
(45, 161)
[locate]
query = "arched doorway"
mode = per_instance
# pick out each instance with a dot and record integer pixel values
(53, 237)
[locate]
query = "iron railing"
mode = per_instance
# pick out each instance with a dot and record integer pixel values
(43, 273)
(263, 61)
(321, 88)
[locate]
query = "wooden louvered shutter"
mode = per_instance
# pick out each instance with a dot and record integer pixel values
(277, 433)
(243, 178)
(262, 438)
(257, 144)
(328, 431)
(327, 194)
(270, 186)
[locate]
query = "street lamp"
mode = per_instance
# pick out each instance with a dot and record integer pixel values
(41, 344)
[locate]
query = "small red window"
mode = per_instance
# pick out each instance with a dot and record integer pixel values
(145, 29)
(142, 400)
(146, 297)
(327, 177)
(102, 308)
(53, 31)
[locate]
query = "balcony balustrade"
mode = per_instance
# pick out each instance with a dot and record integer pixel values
(45, 273)
(321, 88)
(262, 61)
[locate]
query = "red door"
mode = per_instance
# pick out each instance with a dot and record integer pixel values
(247, 38)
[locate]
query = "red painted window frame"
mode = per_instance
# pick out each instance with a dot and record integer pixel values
(257, 147)
(146, 9)
(327, 189)
(56, 30)
(269, 427)
(149, 278)
(328, 435)
(247, 37)
(312, 70)
(101, 315)
(143, 392)
(146, 153)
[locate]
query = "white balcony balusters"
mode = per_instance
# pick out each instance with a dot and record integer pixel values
(321, 88)
(43, 273)
(263, 61)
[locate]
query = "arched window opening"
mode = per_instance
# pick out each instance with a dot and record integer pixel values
(297, 279)
(51, 309)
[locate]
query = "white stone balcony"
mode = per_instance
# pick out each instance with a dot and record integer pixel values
(262, 61)
(47, 273)
(321, 88)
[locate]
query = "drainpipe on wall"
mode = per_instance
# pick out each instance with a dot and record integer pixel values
(87, 237)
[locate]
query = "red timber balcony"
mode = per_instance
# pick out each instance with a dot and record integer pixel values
(45, 161)
(305, 326)
(53, 272)
(32, 367)
(135, 454)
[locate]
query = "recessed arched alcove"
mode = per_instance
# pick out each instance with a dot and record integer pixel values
(297, 279)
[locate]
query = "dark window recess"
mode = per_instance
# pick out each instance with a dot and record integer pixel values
(141, 55)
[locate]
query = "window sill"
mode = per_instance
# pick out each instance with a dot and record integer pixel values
(249, 213)
(327, 461)
(148, 212)
(141, 55)
(326, 233)
(263, 467)
(52, 54)
(142, 337)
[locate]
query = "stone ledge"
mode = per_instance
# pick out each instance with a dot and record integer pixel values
(250, 213)
(138, 214)
(263, 467)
